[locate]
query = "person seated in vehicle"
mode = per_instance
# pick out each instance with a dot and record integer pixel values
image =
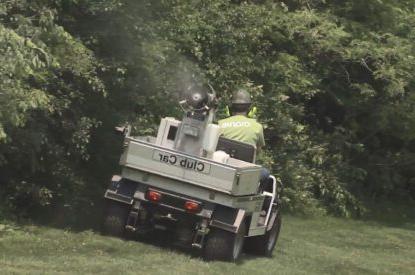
(242, 128)
(239, 126)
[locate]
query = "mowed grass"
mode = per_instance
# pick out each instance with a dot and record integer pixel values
(306, 246)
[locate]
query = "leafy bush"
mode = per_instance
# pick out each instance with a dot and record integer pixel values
(332, 81)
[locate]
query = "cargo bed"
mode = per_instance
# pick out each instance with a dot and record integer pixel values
(236, 178)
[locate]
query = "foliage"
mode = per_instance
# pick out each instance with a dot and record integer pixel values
(48, 86)
(332, 81)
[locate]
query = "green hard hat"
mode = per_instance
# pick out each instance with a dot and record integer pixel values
(241, 96)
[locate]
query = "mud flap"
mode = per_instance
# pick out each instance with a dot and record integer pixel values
(227, 218)
(121, 190)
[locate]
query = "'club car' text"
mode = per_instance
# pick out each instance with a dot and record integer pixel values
(181, 161)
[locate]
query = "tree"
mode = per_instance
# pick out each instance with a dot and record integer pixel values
(332, 81)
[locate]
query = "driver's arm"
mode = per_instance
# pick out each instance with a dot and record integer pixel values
(261, 140)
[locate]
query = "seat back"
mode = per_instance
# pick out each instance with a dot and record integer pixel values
(237, 149)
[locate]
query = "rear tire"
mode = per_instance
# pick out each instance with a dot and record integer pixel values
(223, 245)
(265, 244)
(115, 219)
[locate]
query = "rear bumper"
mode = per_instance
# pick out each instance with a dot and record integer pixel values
(134, 193)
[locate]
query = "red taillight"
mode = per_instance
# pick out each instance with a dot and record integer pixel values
(153, 196)
(192, 206)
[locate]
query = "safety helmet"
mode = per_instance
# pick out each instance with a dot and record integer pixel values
(241, 101)
(241, 96)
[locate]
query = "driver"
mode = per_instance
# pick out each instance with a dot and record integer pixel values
(241, 128)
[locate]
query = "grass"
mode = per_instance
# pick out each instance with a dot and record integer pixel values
(321, 245)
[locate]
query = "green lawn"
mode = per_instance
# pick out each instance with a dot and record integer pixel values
(306, 246)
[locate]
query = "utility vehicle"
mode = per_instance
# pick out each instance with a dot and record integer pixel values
(203, 189)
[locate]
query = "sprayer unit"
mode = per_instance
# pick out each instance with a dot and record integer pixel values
(195, 134)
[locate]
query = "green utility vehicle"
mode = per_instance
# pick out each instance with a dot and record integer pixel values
(203, 189)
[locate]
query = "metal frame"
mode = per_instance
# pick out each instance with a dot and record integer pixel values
(272, 195)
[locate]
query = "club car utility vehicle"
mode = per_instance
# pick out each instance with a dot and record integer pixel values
(203, 189)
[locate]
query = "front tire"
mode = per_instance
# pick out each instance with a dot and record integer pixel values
(115, 219)
(223, 245)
